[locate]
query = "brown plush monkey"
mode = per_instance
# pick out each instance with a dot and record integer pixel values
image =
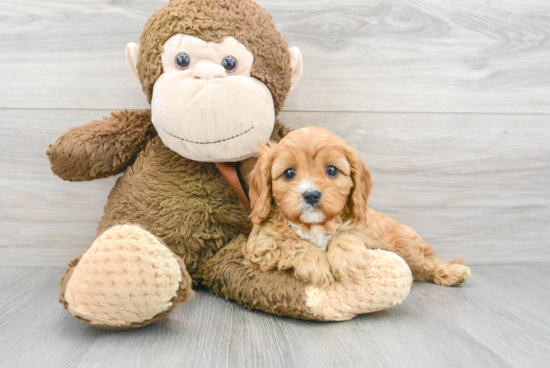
(216, 74)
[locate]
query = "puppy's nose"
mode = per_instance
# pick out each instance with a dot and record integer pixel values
(312, 197)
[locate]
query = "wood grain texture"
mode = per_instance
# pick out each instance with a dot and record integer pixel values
(473, 185)
(500, 318)
(447, 102)
(359, 55)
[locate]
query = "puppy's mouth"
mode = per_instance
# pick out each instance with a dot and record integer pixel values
(311, 215)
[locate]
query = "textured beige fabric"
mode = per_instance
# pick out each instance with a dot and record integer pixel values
(205, 113)
(126, 276)
(297, 65)
(386, 284)
(132, 57)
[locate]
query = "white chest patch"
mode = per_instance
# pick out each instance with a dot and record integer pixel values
(320, 241)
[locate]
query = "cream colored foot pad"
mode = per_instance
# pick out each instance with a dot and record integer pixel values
(388, 283)
(127, 276)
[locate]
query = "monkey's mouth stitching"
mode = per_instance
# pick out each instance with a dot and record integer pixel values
(218, 141)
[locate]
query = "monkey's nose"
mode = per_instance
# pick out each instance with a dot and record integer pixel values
(208, 71)
(312, 197)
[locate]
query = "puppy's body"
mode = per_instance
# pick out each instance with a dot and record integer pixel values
(309, 199)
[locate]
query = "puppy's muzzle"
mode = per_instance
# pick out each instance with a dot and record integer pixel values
(312, 197)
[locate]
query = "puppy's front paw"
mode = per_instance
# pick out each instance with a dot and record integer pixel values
(349, 263)
(313, 267)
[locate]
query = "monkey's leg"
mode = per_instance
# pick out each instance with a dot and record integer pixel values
(229, 274)
(126, 279)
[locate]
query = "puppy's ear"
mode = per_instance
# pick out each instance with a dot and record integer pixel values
(260, 186)
(362, 186)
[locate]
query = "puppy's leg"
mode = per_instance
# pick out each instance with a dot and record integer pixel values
(310, 264)
(348, 257)
(418, 255)
(307, 262)
(420, 258)
(445, 273)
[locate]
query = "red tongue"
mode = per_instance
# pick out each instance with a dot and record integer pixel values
(229, 172)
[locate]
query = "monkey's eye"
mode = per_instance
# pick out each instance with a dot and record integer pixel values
(183, 60)
(229, 63)
(332, 171)
(289, 173)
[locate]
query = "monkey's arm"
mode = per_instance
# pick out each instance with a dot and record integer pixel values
(101, 148)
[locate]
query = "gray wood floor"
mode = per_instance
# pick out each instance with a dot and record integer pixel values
(500, 318)
(448, 102)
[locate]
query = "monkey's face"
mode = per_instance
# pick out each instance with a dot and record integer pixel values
(206, 106)
(216, 73)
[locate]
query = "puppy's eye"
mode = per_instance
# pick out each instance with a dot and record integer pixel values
(332, 171)
(289, 174)
(229, 63)
(183, 60)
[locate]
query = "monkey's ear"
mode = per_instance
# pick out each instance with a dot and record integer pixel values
(132, 57)
(296, 64)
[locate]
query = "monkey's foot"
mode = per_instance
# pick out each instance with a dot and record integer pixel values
(126, 279)
(387, 283)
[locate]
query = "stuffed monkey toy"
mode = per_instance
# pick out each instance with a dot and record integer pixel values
(216, 73)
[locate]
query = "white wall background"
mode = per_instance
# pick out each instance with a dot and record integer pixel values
(448, 102)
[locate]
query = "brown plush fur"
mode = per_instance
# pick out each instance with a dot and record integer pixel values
(187, 204)
(290, 234)
(230, 274)
(192, 209)
(101, 148)
(212, 21)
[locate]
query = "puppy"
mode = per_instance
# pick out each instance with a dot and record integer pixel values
(309, 197)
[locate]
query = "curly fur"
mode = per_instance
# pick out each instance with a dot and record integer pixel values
(345, 227)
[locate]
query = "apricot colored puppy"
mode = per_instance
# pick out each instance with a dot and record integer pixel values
(309, 197)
